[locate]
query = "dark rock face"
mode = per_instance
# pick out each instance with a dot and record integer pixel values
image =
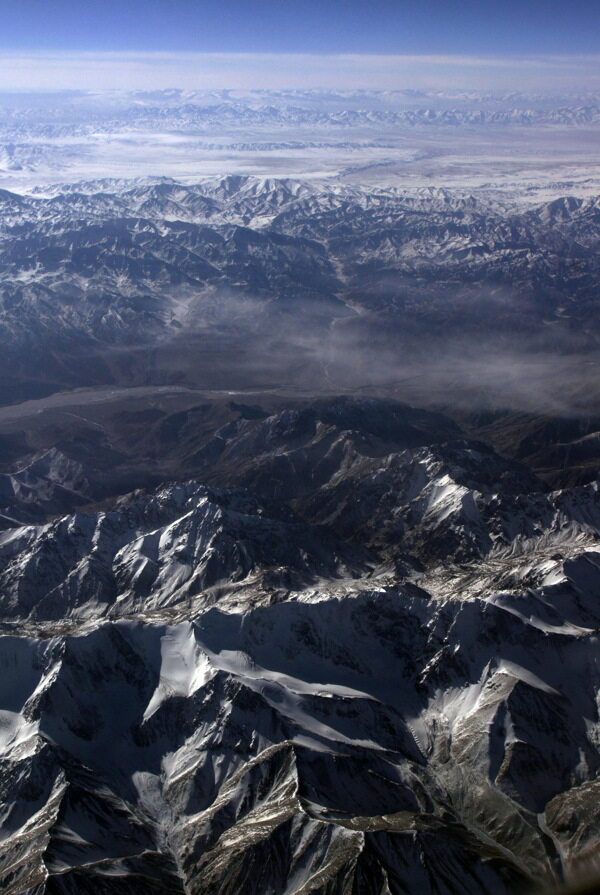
(239, 281)
(258, 636)
(363, 656)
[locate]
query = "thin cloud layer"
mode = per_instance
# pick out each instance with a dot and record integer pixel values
(240, 70)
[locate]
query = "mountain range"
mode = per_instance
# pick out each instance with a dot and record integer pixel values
(357, 651)
(299, 537)
(154, 283)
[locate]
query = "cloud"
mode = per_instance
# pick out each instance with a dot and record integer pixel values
(260, 70)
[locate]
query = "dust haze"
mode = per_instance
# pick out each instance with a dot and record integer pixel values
(239, 342)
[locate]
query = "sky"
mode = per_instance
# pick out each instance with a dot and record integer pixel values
(102, 41)
(303, 26)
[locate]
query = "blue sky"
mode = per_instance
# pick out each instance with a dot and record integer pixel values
(303, 26)
(296, 43)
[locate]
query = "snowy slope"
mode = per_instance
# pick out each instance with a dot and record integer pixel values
(207, 691)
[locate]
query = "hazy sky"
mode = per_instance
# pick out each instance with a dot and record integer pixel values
(322, 26)
(56, 43)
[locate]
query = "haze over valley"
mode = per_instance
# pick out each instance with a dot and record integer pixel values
(299, 469)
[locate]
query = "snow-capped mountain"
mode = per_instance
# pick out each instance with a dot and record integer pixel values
(95, 279)
(362, 659)
(265, 628)
(532, 145)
